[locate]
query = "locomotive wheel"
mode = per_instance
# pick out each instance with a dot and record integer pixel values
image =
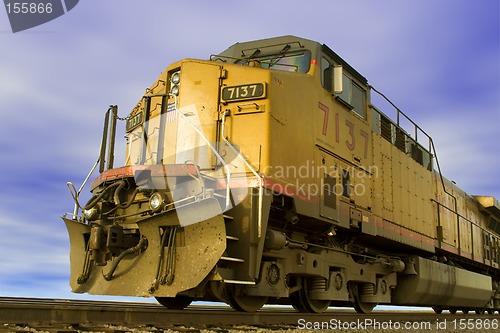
(453, 310)
(297, 298)
(359, 306)
(174, 303)
(479, 311)
(301, 302)
(239, 301)
(465, 311)
(363, 307)
(437, 309)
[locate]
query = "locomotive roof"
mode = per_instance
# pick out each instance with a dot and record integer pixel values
(276, 44)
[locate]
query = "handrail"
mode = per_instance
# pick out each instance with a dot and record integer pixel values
(225, 165)
(470, 222)
(112, 135)
(111, 128)
(432, 148)
(76, 194)
(101, 160)
(252, 169)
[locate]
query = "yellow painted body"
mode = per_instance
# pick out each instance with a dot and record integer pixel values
(301, 159)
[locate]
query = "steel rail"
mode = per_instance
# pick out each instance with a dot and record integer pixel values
(26, 311)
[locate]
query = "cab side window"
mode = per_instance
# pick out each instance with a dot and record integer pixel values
(353, 95)
(326, 74)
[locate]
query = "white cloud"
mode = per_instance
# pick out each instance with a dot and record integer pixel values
(33, 250)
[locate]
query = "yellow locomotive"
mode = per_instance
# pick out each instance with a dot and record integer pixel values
(265, 175)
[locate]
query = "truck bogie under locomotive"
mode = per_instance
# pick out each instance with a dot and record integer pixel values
(265, 176)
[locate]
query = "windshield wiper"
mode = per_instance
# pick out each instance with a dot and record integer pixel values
(254, 54)
(280, 56)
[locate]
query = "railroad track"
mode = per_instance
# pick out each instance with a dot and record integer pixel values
(58, 315)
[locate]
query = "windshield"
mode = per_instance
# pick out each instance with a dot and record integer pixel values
(292, 61)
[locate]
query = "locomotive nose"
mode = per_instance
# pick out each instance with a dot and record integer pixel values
(181, 255)
(163, 262)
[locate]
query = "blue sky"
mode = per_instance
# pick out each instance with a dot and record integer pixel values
(439, 61)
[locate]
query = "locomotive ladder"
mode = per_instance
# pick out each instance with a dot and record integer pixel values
(230, 240)
(227, 257)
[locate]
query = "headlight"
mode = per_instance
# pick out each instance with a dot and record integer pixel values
(174, 90)
(176, 78)
(157, 201)
(91, 214)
